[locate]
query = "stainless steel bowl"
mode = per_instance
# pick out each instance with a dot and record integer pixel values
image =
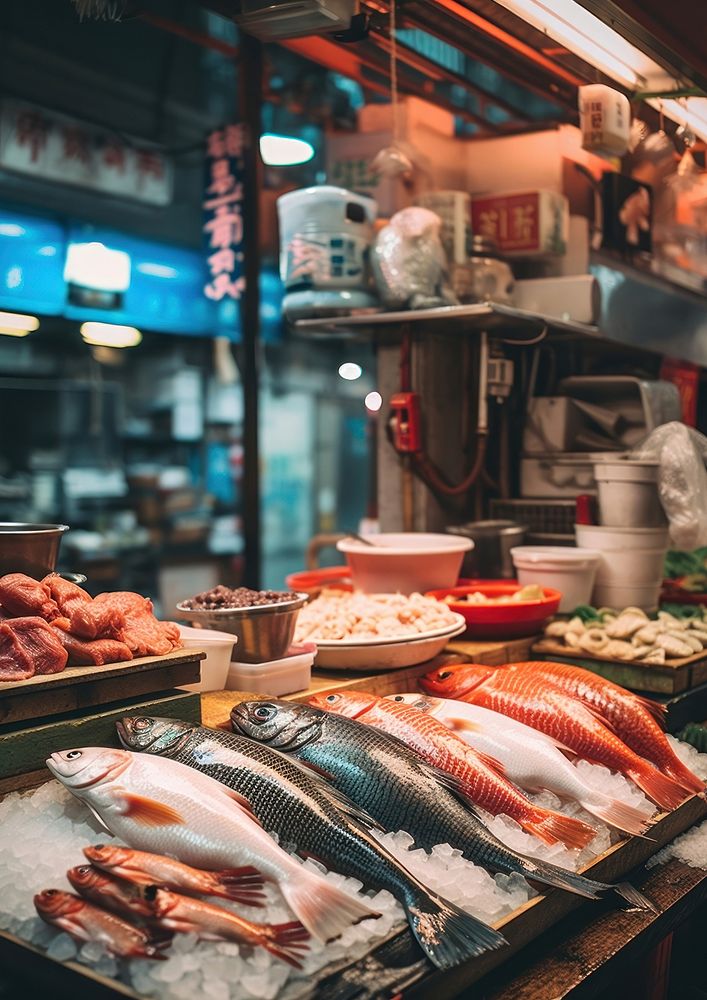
(29, 548)
(264, 631)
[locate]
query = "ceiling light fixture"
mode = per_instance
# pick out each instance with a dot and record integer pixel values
(284, 150)
(373, 401)
(110, 335)
(690, 110)
(591, 39)
(94, 265)
(18, 323)
(350, 371)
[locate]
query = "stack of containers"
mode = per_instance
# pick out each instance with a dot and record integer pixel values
(632, 535)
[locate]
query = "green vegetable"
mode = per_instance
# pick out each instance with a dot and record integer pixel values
(679, 564)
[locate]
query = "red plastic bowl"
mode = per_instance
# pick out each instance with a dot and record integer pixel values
(501, 621)
(311, 581)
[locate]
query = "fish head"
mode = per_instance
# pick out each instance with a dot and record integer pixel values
(107, 855)
(284, 725)
(82, 768)
(52, 903)
(419, 701)
(86, 877)
(152, 735)
(160, 901)
(352, 704)
(456, 680)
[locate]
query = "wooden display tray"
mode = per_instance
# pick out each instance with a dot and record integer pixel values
(663, 678)
(519, 928)
(79, 688)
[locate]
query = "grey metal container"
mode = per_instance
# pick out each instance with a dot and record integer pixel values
(264, 631)
(29, 548)
(490, 559)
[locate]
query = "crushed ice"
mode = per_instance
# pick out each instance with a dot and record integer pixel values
(44, 830)
(689, 847)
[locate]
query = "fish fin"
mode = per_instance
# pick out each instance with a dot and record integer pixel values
(635, 899)
(618, 814)
(242, 885)
(339, 798)
(600, 717)
(288, 942)
(654, 708)
(97, 816)
(492, 763)
(683, 775)
(149, 812)
(324, 909)
(463, 725)
(663, 790)
(242, 803)
(447, 934)
(553, 827)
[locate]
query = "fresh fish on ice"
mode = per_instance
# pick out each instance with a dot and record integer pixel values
(530, 758)
(399, 789)
(318, 820)
(480, 775)
(158, 805)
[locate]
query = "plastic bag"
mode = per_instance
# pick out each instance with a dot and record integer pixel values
(409, 262)
(680, 452)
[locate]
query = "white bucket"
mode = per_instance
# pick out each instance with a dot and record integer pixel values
(607, 539)
(569, 570)
(218, 647)
(644, 596)
(628, 494)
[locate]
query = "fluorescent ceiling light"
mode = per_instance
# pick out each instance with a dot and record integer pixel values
(16, 321)
(11, 229)
(594, 41)
(284, 150)
(93, 265)
(157, 270)
(373, 401)
(691, 111)
(110, 335)
(350, 371)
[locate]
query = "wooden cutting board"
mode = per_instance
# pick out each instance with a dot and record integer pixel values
(86, 687)
(670, 677)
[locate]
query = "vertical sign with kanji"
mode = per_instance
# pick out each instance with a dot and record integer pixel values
(223, 222)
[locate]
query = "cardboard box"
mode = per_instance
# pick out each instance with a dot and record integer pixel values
(523, 224)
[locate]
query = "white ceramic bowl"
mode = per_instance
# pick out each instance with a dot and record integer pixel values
(406, 562)
(390, 655)
(569, 570)
(218, 647)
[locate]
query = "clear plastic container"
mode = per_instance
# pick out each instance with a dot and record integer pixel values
(292, 673)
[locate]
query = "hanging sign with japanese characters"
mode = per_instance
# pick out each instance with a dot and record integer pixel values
(55, 147)
(223, 217)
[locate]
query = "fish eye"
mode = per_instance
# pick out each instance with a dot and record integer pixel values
(443, 675)
(83, 869)
(73, 754)
(142, 724)
(397, 697)
(262, 712)
(332, 697)
(50, 892)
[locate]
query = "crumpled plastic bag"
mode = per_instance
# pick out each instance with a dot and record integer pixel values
(680, 452)
(409, 263)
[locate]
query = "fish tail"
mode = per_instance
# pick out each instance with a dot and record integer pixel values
(552, 827)
(288, 942)
(242, 885)
(654, 708)
(635, 899)
(617, 814)
(663, 790)
(679, 772)
(447, 934)
(324, 909)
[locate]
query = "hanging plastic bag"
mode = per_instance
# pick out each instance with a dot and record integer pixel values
(680, 452)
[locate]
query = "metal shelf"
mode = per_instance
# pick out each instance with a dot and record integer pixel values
(488, 316)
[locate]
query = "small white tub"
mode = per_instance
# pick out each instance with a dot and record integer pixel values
(292, 673)
(569, 570)
(218, 647)
(628, 494)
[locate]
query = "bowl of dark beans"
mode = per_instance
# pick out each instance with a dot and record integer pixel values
(263, 620)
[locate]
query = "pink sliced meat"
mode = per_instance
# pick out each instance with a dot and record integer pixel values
(15, 662)
(21, 595)
(83, 652)
(87, 618)
(41, 643)
(142, 632)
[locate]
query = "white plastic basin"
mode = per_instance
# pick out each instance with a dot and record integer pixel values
(405, 562)
(569, 570)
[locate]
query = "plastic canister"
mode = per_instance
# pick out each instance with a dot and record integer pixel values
(628, 494)
(291, 673)
(569, 570)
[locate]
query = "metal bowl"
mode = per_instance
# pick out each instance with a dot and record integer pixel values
(264, 631)
(29, 548)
